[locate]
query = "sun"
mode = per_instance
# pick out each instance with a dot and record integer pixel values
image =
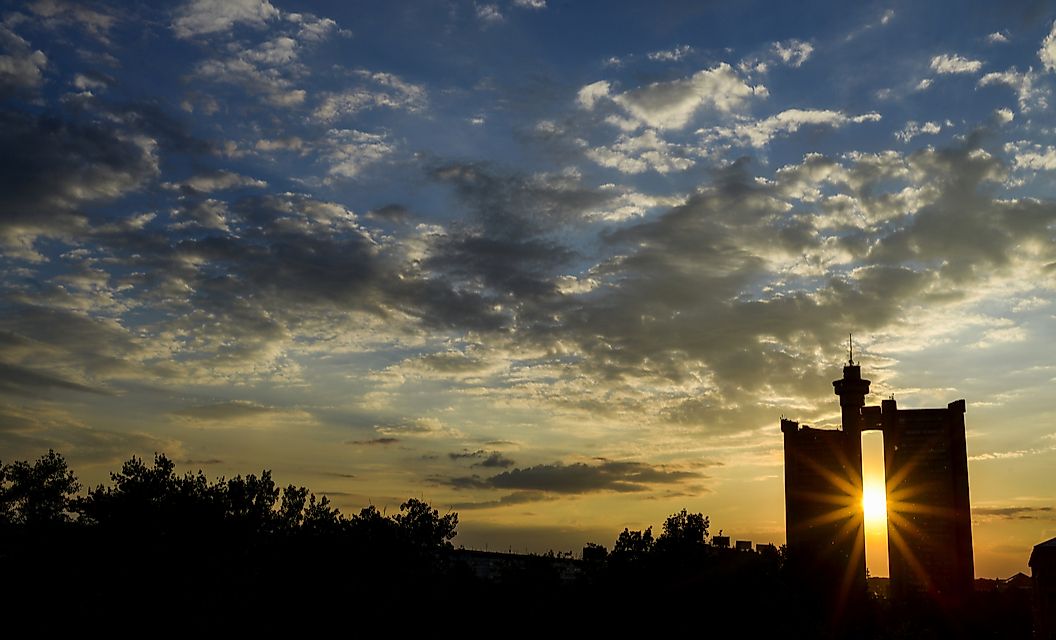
(874, 504)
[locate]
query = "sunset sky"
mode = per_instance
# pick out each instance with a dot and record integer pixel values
(558, 266)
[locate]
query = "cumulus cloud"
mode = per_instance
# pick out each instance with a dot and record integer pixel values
(489, 14)
(202, 17)
(793, 52)
(760, 132)
(21, 67)
(997, 37)
(350, 151)
(271, 83)
(634, 154)
(589, 95)
(1030, 96)
(670, 55)
(61, 166)
(952, 63)
(380, 91)
(530, 4)
(1047, 52)
(914, 129)
(1031, 156)
(673, 104)
(215, 181)
(95, 21)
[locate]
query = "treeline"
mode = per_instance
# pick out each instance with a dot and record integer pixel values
(154, 545)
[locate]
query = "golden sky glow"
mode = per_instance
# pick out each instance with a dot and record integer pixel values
(558, 267)
(874, 503)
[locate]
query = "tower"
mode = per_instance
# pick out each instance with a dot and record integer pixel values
(824, 522)
(929, 520)
(852, 389)
(929, 526)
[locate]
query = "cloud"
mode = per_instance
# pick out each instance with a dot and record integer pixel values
(393, 213)
(489, 14)
(530, 4)
(349, 151)
(202, 17)
(271, 83)
(24, 381)
(793, 52)
(487, 459)
(61, 167)
(589, 94)
(673, 104)
(380, 91)
(998, 37)
(1014, 513)
(21, 67)
(219, 180)
(1031, 156)
(375, 441)
(952, 63)
(578, 478)
(56, 14)
(914, 129)
(1047, 52)
(670, 55)
(1030, 96)
(760, 132)
(517, 498)
(240, 412)
(633, 154)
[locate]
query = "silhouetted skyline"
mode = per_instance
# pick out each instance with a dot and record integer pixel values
(560, 265)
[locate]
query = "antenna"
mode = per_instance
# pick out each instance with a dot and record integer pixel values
(850, 349)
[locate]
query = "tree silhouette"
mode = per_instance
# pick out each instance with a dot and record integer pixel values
(423, 527)
(683, 532)
(38, 494)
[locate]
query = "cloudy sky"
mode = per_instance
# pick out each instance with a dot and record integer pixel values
(558, 266)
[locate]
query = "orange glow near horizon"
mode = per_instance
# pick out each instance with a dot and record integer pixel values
(874, 503)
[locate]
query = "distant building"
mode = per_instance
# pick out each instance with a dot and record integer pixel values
(743, 545)
(722, 542)
(1043, 573)
(929, 524)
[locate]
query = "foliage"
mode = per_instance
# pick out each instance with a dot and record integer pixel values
(424, 527)
(38, 494)
(683, 532)
(633, 546)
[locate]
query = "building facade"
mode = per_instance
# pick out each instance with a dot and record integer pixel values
(929, 521)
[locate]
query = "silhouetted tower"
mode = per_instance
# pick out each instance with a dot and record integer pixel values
(929, 523)
(824, 523)
(929, 514)
(852, 389)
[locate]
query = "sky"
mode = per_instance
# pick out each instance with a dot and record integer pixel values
(560, 267)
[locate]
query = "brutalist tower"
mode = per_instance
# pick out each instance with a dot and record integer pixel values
(929, 519)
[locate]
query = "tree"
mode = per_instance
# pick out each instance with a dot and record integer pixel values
(39, 494)
(633, 546)
(594, 553)
(424, 527)
(683, 531)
